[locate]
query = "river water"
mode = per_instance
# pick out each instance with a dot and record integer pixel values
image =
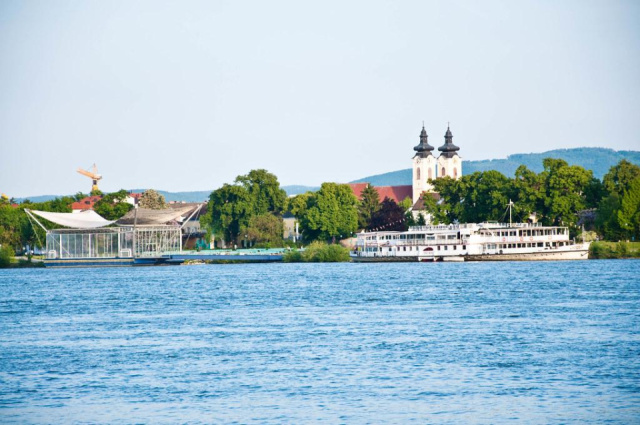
(546, 342)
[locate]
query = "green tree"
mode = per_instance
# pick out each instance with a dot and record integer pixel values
(152, 200)
(369, 204)
(485, 196)
(113, 206)
(264, 190)
(565, 188)
(230, 208)
(10, 226)
(620, 177)
(434, 209)
(628, 215)
(326, 214)
(451, 199)
(6, 254)
(607, 218)
(527, 193)
(266, 230)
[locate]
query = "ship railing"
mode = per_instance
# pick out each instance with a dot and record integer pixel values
(490, 225)
(518, 239)
(419, 242)
(438, 227)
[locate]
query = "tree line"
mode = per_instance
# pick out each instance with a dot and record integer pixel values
(17, 231)
(560, 195)
(250, 210)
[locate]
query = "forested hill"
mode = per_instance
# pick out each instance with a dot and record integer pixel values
(598, 160)
(195, 196)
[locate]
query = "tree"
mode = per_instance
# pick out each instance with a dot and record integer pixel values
(628, 215)
(230, 208)
(527, 193)
(266, 229)
(434, 209)
(390, 216)
(326, 214)
(264, 190)
(484, 196)
(451, 197)
(620, 177)
(10, 226)
(369, 204)
(152, 200)
(564, 187)
(6, 253)
(113, 206)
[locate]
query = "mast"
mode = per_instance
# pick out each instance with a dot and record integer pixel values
(510, 204)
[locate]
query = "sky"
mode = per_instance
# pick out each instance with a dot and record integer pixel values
(186, 95)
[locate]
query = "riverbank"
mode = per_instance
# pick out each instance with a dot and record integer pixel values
(601, 250)
(24, 263)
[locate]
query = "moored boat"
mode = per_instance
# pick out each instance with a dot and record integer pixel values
(471, 242)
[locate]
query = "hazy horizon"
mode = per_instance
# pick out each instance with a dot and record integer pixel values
(186, 96)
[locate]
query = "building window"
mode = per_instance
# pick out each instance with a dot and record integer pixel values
(418, 174)
(430, 176)
(455, 173)
(444, 173)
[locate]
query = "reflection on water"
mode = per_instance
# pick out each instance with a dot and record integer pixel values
(467, 342)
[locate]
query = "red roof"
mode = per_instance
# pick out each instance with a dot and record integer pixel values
(396, 193)
(86, 203)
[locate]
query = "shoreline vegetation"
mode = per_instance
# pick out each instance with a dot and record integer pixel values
(603, 250)
(251, 211)
(318, 252)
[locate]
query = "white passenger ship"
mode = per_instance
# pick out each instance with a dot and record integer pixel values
(471, 242)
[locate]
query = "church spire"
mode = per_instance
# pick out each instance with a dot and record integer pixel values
(424, 148)
(448, 149)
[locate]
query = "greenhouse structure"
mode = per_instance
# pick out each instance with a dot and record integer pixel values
(87, 238)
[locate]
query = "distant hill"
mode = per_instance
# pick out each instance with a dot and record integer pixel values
(196, 196)
(598, 160)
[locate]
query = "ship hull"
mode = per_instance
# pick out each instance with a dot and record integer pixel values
(533, 256)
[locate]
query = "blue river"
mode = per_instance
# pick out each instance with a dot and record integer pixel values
(543, 342)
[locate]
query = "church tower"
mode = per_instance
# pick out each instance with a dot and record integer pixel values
(424, 166)
(449, 163)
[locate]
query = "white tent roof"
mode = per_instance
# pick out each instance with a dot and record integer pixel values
(87, 219)
(145, 216)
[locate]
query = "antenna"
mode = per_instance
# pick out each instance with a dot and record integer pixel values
(510, 204)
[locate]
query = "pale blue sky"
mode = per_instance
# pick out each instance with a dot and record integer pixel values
(186, 95)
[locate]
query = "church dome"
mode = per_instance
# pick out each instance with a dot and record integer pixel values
(448, 149)
(424, 148)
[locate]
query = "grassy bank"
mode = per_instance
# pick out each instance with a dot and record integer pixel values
(318, 252)
(602, 250)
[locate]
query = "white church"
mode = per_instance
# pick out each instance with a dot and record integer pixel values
(427, 167)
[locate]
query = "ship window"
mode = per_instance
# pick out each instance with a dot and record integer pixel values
(446, 248)
(455, 247)
(438, 247)
(464, 247)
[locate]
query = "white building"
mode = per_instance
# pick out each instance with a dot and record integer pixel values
(426, 167)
